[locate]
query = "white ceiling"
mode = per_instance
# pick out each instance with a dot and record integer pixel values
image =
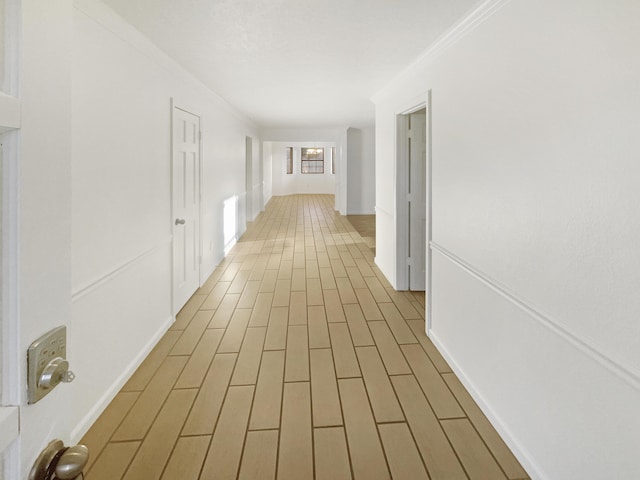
(294, 63)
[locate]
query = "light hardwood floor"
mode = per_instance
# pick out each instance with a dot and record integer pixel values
(297, 360)
(365, 225)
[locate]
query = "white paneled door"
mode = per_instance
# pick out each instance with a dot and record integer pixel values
(417, 199)
(186, 206)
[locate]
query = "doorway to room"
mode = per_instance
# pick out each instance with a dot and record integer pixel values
(249, 179)
(412, 191)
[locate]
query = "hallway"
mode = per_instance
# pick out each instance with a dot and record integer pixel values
(297, 360)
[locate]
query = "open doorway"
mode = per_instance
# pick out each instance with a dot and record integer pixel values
(412, 189)
(249, 179)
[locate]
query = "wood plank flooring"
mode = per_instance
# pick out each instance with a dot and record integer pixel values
(365, 225)
(297, 360)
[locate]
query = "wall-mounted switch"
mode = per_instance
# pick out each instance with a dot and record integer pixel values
(46, 364)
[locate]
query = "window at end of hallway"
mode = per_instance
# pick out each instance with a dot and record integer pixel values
(289, 160)
(312, 160)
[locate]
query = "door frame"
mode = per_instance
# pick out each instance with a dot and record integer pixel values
(175, 104)
(429, 201)
(248, 180)
(260, 178)
(11, 356)
(402, 188)
(9, 322)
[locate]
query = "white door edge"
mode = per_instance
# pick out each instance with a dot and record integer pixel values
(9, 426)
(11, 358)
(429, 233)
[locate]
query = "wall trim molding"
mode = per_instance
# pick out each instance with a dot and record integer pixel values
(89, 419)
(10, 346)
(610, 364)
(469, 22)
(97, 282)
(521, 454)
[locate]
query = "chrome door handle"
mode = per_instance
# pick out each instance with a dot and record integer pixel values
(180, 221)
(60, 462)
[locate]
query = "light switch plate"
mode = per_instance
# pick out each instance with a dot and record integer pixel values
(49, 346)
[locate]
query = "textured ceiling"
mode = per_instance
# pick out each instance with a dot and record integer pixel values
(289, 63)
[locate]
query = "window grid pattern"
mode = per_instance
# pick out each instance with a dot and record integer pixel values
(312, 160)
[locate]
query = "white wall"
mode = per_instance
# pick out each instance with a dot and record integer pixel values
(361, 178)
(297, 182)
(342, 177)
(535, 224)
(301, 134)
(267, 166)
(121, 186)
(253, 192)
(258, 184)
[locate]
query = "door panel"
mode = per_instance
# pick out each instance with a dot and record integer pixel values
(417, 200)
(186, 206)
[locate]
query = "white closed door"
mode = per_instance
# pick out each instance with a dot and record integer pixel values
(186, 206)
(417, 199)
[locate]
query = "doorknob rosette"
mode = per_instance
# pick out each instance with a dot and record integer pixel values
(57, 462)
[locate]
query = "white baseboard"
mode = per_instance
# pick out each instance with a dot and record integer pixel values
(525, 460)
(89, 419)
(231, 244)
(204, 277)
(552, 401)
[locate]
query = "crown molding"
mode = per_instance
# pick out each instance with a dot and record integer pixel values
(460, 29)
